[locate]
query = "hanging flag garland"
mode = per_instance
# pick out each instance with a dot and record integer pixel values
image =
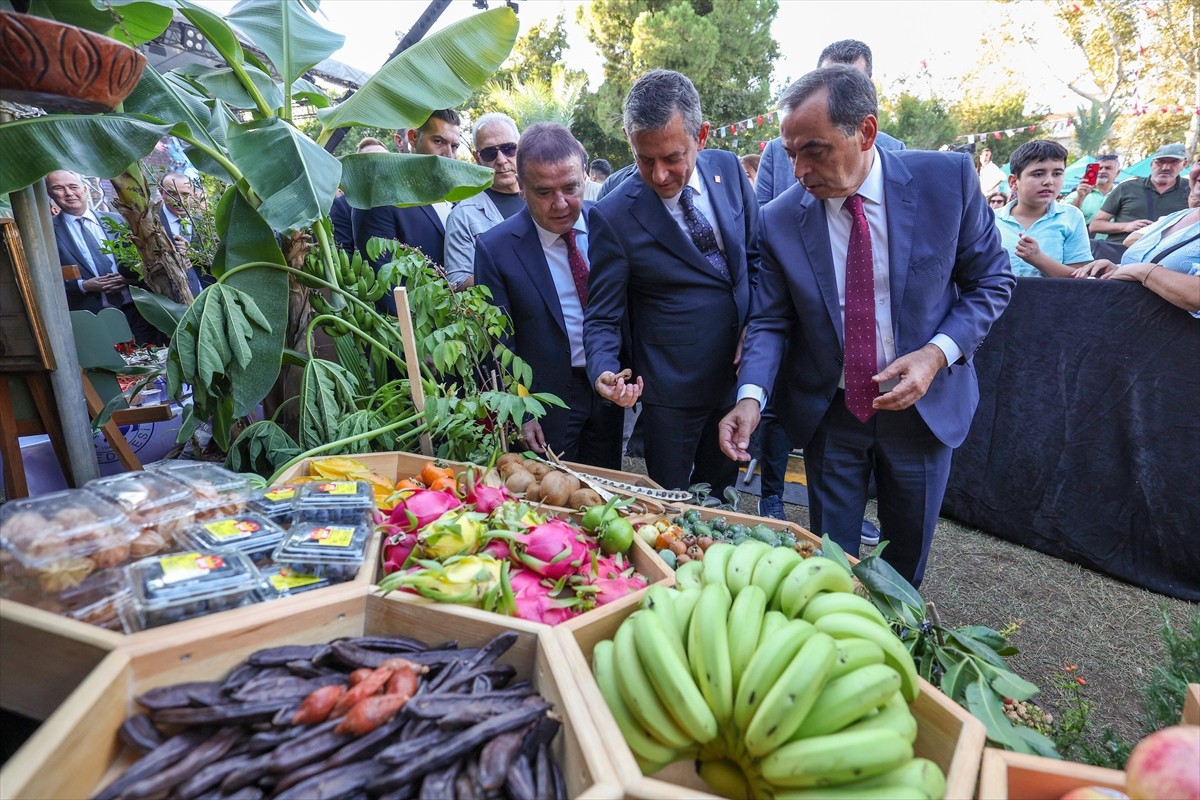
(732, 129)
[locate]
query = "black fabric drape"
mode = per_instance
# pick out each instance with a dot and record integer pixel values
(1086, 444)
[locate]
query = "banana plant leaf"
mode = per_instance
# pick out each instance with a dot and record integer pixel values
(139, 21)
(294, 177)
(308, 92)
(261, 448)
(291, 38)
(216, 31)
(440, 71)
(225, 85)
(171, 100)
(381, 179)
(160, 312)
(100, 145)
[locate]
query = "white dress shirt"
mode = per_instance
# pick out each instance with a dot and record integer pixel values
(175, 223)
(442, 209)
(97, 230)
(839, 222)
(703, 203)
(555, 248)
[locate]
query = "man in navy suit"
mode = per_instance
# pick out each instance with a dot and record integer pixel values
(882, 273)
(423, 227)
(673, 250)
(535, 264)
(178, 198)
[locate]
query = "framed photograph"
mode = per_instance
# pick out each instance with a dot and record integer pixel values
(23, 343)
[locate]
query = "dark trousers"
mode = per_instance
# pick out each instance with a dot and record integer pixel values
(682, 448)
(775, 446)
(591, 430)
(911, 469)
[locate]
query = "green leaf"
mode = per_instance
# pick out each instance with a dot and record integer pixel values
(955, 679)
(834, 552)
(1037, 743)
(261, 448)
(440, 71)
(976, 648)
(294, 177)
(326, 396)
(292, 39)
(355, 424)
(308, 92)
(382, 179)
(142, 21)
(169, 99)
(160, 312)
(881, 577)
(225, 85)
(212, 341)
(102, 145)
(1009, 684)
(987, 707)
(984, 635)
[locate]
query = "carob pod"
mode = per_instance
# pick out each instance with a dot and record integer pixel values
(387, 644)
(158, 759)
(520, 783)
(466, 785)
(484, 655)
(368, 745)
(543, 732)
(163, 697)
(404, 792)
(307, 669)
(433, 706)
(404, 751)
(497, 757)
(315, 745)
(209, 693)
(244, 793)
(464, 716)
(543, 776)
(284, 688)
(273, 737)
(210, 715)
(498, 674)
(334, 784)
(354, 656)
(209, 777)
(202, 755)
(241, 674)
(139, 733)
(302, 774)
(245, 775)
(560, 783)
(280, 656)
(439, 783)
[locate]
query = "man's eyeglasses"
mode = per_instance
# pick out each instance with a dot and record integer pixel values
(489, 154)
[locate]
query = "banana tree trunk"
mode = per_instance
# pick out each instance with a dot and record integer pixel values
(164, 267)
(275, 405)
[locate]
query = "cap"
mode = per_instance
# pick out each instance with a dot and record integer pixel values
(1171, 151)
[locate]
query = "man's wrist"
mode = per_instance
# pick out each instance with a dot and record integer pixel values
(751, 392)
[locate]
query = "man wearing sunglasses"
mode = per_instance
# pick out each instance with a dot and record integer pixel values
(495, 137)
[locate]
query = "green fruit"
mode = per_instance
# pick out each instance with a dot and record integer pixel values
(669, 557)
(595, 518)
(616, 536)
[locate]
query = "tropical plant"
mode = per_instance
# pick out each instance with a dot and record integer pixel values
(236, 120)
(536, 99)
(1092, 127)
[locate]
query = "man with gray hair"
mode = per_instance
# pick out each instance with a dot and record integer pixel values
(535, 264)
(673, 250)
(495, 136)
(882, 273)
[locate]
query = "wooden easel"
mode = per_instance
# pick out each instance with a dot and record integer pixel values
(409, 339)
(44, 421)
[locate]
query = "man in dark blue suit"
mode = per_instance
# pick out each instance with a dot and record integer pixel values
(536, 267)
(673, 250)
(423, 227)
(882, 273)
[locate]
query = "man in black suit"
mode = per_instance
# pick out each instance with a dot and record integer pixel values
(535, 264)
(673, 250)
(78, 232)
(423, 227)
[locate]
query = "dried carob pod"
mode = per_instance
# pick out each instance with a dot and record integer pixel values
(280, 656)
(201, 756)
(139, 733)
(209, 777)
(334, 784)
(497, 757)
(217, 715)
(162, 757)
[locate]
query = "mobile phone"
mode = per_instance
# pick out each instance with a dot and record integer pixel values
(1090, 174)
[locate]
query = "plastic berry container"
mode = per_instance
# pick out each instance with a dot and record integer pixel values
(276, 503)
(53, 543)
(329, 550)
(249, 533)
(335, 502)
(151, 500)
(219, 492)
(281, 581)
(181, 586)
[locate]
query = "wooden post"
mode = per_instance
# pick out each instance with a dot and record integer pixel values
(409, 339)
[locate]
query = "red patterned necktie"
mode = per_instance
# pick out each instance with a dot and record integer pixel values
(579, 267)
(859, 328)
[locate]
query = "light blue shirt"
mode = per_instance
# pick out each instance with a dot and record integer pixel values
(1183, 259)
(1061, 233)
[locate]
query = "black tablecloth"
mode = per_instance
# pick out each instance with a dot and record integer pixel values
(1086, 444)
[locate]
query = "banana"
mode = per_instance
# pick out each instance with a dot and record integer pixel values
(647, 766)
(895, 654)
(773, 622)
(836, 758)
(855, 791)
(661, 601)
(708, 650)
(725, 778)
(640, 742)
(854, 654)
(773, 568)
(848, 698)
(671, 677)
(920, 774)
(814, 575)
(768, 663)
(893, 715)
(687, 576)
(685, 604)
(746, 618)
(842, 602)
(639, 695)
(716, 557)
(792, 697)
(740, 568)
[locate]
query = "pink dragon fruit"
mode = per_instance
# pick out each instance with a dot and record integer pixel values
(610, 589)
(603, 579)
(486, 499)
(544, 608)
(396, 550)
(498, 548)
(421, 508)
(553, 549)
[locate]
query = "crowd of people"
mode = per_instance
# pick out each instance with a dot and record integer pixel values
(833, 290)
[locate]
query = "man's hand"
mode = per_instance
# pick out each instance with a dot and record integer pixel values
(735, 428)
(108, 282)
(612, 386)
(531, 432)
(181, 245)
(1028, 249)
(1082, 191)
(915, 371)
(1097, 269)
(1137, 225)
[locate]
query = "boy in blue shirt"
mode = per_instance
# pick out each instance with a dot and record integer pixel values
(1043, 237)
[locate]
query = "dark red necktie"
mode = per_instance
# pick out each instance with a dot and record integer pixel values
(579, 267)
(859, 328)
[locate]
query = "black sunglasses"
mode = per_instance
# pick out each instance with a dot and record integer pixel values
(489, 154)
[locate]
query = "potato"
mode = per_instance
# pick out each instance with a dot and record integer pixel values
(573, 482)
(518, 480)
(556, 489)
(584, 498)
(533, 493)
(537, 468)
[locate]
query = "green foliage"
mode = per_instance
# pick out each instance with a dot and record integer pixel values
(1164, 691)
(996, 113)
(1092, 127)
(261, 449)
(536, 99)
(921, 124)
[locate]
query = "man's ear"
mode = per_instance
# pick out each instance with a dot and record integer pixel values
(1012, 182)
(412, 140)
(702, 136)
(869, 128)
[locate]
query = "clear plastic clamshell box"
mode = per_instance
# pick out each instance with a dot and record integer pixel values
(330, 550)
(276, 503)
(180, 586)
(335, 502)
(249, 533)
(219, 492)
(153, 501)
(55, 549)
(282, 581)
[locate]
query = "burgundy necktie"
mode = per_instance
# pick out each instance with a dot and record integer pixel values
(579, 267)
(859, 328)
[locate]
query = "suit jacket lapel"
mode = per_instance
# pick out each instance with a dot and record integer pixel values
(718, 195)
(649, 212)
(72, 252)
(814, 233)
(434, 218)
(901, 199)
(528, 247)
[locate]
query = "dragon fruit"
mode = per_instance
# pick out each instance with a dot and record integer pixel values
(498, 548)
(607, 578)
(473, 580)
(535, 600)
(421, 508)
(396, 550)
(514, 515)
(486, 499)
(553, 549)
(455, 533)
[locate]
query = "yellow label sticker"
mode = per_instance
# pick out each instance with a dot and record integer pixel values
(233, 528)
(286, 580)
(183, 566)
(334, 537)
(339, 487)
(282, 493)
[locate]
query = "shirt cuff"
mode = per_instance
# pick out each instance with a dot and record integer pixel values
(951, 350)
(79, 283)
(754, 392)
